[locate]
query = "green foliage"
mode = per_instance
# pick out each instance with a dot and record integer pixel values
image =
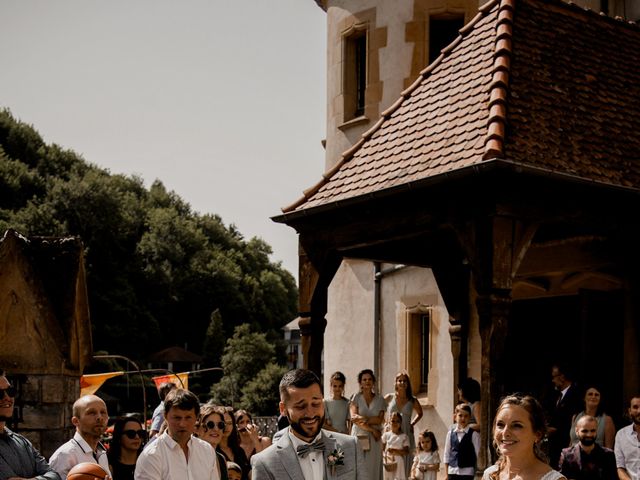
(214, 341)
(155, 269)
(261, 394)
(245, 355)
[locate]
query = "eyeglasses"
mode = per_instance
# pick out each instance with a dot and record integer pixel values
(10, 391)
(131, 434)
(210, 425)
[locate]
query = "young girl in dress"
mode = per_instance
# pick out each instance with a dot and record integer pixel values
(395, 445)
(426, 463)
(336, 408)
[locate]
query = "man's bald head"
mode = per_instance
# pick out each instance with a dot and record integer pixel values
(587, 430)
(80, 405)
(90, 417)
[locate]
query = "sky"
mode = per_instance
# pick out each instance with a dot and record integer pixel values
(221, 100)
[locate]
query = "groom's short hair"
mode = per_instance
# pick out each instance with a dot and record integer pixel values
(298, 378)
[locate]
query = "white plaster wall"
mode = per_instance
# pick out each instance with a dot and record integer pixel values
(395, 58)
(348, 338)
(400, 291)
(349, 334)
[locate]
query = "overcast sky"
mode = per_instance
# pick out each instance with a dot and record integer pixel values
(222, 100)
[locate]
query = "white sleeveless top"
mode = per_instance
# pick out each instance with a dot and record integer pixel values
(551, 475)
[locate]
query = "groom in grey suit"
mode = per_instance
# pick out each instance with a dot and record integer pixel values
(304, 451)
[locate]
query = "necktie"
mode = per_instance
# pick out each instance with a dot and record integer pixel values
(304, 450)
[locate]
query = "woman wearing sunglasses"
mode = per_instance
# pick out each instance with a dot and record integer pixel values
(210, 429)
(128, 439)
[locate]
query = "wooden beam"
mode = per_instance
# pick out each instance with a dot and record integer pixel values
(317, 266)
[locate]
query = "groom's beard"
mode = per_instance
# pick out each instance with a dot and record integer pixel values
(303, 430)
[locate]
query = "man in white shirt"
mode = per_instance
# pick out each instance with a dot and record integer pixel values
(627, 445)
(304, 451)
(177, 454)
(90, 418)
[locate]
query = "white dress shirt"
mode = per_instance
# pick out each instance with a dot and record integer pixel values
(475, 440)
(627, 451)
(312, 464)
(165, 460)
(76, 451)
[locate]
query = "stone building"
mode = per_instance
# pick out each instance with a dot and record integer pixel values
(475, 217)
(45, 332)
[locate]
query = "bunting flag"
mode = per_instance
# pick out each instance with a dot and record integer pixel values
(89, 384)
(182, 380)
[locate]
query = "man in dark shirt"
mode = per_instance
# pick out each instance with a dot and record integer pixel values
(18, 458)
(587, 460)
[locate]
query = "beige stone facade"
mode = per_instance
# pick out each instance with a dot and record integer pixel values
(360, 333)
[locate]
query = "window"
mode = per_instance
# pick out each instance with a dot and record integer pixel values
(355, 71)
(442, 31)
(418, 351)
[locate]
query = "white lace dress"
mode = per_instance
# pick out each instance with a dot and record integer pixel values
(551, 475)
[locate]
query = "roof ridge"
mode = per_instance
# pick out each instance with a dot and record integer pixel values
(595, 13)
(405, 94)
(494, 141)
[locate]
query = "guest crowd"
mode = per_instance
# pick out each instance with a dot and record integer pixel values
(367, 436)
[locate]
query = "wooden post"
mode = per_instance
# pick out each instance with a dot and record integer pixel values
(493, 311)
(314, 279)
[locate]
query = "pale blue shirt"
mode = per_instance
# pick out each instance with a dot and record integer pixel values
(475, 440)
(627, 451)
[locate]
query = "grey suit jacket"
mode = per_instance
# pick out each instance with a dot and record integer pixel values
(280, 460)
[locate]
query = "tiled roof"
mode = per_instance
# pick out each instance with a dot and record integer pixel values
(536, 82)
(175, 354)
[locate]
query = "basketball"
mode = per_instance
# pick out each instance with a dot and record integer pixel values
(87, 471)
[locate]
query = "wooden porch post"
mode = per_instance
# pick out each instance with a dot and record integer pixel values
(314, 279)
(500, 245)
(493, 312)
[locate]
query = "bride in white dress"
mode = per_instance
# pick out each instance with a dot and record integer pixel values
(518, 428)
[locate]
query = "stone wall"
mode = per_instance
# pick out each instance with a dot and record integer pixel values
(43, 409)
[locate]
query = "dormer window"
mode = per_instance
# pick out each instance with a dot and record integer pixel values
(443, 29)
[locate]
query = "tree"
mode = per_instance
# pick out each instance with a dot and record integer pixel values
(245, 355)
(261, 395)
(155, 268)
(213, 341)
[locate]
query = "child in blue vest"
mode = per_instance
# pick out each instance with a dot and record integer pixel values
(461, 447)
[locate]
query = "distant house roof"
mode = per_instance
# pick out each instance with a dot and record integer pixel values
(540, 84)
(175, 354)
(292, 325)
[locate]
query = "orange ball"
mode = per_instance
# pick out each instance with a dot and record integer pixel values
(87, 471)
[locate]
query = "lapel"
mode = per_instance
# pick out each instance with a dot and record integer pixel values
(329, 446)
(288, 457)
(576, 454)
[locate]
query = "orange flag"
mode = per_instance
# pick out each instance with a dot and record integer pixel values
(89, 384)
(182, 380)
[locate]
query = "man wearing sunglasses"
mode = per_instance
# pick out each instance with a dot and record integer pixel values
(177, 454)
(18, 458)
(90, 418)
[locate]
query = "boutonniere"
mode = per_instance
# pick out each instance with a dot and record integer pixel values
(335, 458)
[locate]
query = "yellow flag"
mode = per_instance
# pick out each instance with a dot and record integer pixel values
(89, 384)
